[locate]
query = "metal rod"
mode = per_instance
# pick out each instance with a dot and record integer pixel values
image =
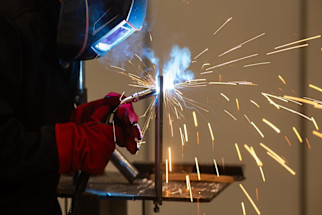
(158, 146)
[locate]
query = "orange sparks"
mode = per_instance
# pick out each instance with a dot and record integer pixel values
(278, 159)
(223, 95)
(298, 41)
(228, 20)
(237, 104)
(250, 199)
(166, 171)
(254, 103)
(232, 61)
(297, 134)
(282, 79)
(281, 160)
(211, 133)
(170, 159)
(257, 129)
(287, 49)
(182, 138)
(262, 173)
(315, 87)
(288, 141)
(243, 208)
(257, 64)
(216, 167)
(271, 125)
(197, 137)
(189, 187)
(197, 168)
(195, 118)
(253, 154)
(308, 143)
(316, 133)
(185, 132)
(223, 162)
(315, 124)
(257, 194)
(238, 152)
(201, 53)
(313, 103)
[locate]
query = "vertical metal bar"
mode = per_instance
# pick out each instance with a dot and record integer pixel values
(158, 146)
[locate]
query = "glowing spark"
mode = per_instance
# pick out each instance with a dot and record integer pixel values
(288, 141)
(254, 103)
(257, 64)
(232, 61)
(212, 134)
(185, 132)
(114, 134)
(253, 154)
(197, 167)
(308, 143)
(189, 187)
(241, 45)
(257, 194)
(262, 173)
(271, 125)
(138, 57)
(116, 67)
(259, 131)
(223, 162)
(237, 104)
(230, 115)
(170, 162)
(150, 36)
(175, 110)
(243, 208)
(283, 164)
(171, 127)
(195, 118)
(250, 199)
(280, 160)
(197, 137)
(228, 20)
(238, 152)
(216, 167)
(201, 53)
(247, 118)
(166, 171)
(282, 79)
(223, 95)
(203, 73)
(205, 64)
(315, 104)
(298, 41)
(287, 49)
(315, 87)
(182, 138)
(316, 133)
(297, 134)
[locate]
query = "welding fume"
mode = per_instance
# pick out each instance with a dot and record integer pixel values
(46, 126)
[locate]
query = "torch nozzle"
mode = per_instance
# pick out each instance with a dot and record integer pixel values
(139, 95)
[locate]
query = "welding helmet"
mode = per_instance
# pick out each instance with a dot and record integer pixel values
(90, 28)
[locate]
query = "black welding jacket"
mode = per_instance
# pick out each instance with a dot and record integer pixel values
(35, 93)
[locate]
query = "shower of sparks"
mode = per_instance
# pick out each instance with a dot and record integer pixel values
(257, 64)
(195, 118)
(262, 173)
(253, 154)
(216, 167)
(223, 95)
(211, 134)
(282, 79)
(237, 104)
(250, 199)
(257, 129)
(185, 132)
(288, 141)
(254, 103)
(238, 152)
(315, 87)
(232, 61)
(316, 133)
(189, 187)
(243, 208)
(197, 168)
(170, 159)
(228, 20)
(241, 45)
(166, 171)
(308, 143)
(230, 115)
(307, 101)
(297, 134)
(200, 53)
(298, 41)
(287, 49)
(271, 125)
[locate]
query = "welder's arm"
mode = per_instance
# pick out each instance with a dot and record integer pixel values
(87, 142)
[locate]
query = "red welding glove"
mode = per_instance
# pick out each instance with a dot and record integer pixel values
(87, 143)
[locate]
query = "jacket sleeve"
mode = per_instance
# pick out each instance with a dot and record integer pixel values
(24, 153)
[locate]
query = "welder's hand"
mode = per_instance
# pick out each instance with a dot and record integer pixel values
(86, 143)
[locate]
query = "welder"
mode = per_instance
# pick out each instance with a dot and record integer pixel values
(43, 133)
